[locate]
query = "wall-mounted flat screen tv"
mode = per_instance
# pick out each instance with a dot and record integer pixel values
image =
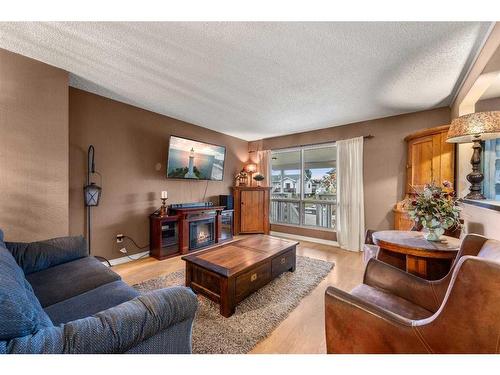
(193, 160)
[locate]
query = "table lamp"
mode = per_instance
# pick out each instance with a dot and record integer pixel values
(251, 169)
(475, 127)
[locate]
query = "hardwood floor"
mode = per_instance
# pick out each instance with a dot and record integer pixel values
(303, 331)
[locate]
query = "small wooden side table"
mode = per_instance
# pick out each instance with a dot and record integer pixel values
(410, 251)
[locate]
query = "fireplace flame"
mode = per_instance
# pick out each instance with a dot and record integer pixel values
(202, 236)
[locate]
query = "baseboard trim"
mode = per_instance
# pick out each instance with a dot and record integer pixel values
(304, 238)
(305, 231)
(126, 259)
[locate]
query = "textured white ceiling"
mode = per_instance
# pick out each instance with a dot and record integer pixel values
(257, 80)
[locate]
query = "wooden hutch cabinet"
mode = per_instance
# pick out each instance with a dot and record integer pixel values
(429, 159)
(251, 209)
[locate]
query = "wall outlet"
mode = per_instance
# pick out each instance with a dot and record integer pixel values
(119, 238)
(123, 250)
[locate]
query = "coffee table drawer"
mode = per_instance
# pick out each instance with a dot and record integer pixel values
(283, 263)
(252, 280)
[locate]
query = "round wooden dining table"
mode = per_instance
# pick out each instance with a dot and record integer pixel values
(410, 251)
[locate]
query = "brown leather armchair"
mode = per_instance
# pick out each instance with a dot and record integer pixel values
(396, 312)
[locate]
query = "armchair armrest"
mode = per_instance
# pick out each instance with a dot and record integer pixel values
(345, 297)
(122, 327)
(37, 256)
(402, 284)
(115, 330)
(357, 326)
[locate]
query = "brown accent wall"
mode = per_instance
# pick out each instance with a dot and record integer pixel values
(131, 152)
(384, 156)
(33, 149)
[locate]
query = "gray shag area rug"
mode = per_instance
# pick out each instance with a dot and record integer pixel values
(256, 316)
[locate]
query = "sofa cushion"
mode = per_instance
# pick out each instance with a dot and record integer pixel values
(391, 302)
(39, 255)
(91, 302)
(55, 284)
(20, 311)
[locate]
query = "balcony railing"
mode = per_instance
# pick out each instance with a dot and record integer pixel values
(311, 213)
(285, 212)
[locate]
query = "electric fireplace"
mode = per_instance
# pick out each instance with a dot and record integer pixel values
(201, 233)
(201, 225)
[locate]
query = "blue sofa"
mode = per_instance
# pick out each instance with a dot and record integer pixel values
(54, 298)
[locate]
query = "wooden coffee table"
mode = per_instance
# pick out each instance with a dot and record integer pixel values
(229, 273)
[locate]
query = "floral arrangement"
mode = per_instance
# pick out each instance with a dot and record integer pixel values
(435, 209)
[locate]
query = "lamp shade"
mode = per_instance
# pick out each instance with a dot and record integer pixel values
(474, 126)
(251, 168)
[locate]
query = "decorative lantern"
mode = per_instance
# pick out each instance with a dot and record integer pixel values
(241, 179)
(92, 193)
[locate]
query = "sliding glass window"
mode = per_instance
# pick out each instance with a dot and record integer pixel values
(304, 186)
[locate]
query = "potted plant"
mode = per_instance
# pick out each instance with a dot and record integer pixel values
(435, 209)
(259, 178)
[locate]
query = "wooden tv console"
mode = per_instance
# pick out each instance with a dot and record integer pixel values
(164, 245)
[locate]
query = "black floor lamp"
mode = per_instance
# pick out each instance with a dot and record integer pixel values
(92, 193)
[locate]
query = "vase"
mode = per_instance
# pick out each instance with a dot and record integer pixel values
(433, 234)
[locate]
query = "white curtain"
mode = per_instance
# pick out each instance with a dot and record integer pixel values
(265, 166)
(350, 199)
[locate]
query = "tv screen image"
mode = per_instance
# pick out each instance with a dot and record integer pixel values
(189, 159)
